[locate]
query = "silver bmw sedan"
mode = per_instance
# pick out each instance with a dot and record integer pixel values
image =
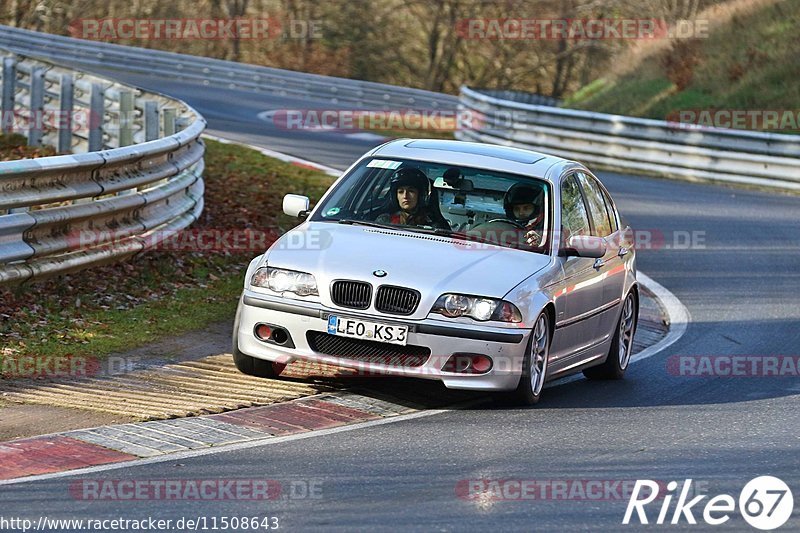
(485, 267)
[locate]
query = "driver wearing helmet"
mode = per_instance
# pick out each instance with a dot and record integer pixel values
(523, 207)
(409, 195)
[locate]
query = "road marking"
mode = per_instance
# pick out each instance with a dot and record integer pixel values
(677, 313)
(366, 136)
(678, 317)
(279, 155)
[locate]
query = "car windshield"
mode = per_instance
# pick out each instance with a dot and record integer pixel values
(459, 202)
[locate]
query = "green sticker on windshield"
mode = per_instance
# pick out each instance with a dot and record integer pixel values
(332, 211)
(384, 163)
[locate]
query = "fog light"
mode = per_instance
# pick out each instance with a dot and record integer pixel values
(263, 331)
(468, 363)
(280, 336)
(481, 364)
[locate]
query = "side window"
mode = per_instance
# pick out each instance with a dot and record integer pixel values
(612, 215)
(597, 205)
(574, 219)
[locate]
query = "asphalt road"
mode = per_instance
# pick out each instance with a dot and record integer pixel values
(739, 280)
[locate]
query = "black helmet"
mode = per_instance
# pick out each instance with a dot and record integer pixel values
(411, 177)
(520, 193)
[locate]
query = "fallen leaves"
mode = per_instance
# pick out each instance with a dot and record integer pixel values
(243, 189)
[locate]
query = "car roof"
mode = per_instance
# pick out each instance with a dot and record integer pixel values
(472, 154)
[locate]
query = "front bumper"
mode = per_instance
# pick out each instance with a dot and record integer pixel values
(506, 346)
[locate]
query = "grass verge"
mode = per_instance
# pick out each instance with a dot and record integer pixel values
(749, 61)
(117, 307)
(416, 134)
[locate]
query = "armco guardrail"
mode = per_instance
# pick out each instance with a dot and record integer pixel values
(216, 72)
(138, 179)
(635, 145)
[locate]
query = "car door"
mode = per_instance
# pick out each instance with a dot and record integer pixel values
(611, 266)
(578, 327)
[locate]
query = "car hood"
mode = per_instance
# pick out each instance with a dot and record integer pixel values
(430, 264)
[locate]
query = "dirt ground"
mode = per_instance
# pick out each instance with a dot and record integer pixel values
(23, 420)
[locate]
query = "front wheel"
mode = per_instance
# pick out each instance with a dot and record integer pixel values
(534, 367)
(619, 355)
(253, 366)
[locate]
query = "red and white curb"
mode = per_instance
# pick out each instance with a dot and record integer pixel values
(122, 443)
(117, 446)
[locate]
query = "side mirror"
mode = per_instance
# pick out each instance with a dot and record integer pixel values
(465, 185)
(460, 184)
(295, 205)
(585, 246)
(451, 177)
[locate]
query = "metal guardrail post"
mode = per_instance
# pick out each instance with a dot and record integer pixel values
(635, 145)
(96, 116)
(65, 122)
(126, 116)
(131, 191)
(169, 121)
(36, 121)
(9, 80)
(150, 120)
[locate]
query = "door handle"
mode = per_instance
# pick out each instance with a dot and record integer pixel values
(598, 263)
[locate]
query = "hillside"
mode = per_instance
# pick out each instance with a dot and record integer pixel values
(750, 60)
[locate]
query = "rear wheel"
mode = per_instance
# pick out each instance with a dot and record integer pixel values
(534, 367)
(619, 355)
(252, 366)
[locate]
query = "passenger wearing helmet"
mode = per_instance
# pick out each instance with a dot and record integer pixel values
(409, 198)
(524, 209)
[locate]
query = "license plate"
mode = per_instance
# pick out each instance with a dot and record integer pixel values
(371, 331)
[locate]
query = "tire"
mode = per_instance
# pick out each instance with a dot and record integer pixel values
(619, 355)
(252, 366)
(534, 367)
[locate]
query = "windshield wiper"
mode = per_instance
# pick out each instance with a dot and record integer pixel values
(471, 237)
(430, 230)
(353, 222)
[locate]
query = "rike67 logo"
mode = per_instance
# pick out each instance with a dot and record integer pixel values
(765, 503)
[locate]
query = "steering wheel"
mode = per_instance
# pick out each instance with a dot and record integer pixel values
(505, 221)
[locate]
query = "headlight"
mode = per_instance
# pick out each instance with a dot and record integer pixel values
(281, 280)
(456, 305)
